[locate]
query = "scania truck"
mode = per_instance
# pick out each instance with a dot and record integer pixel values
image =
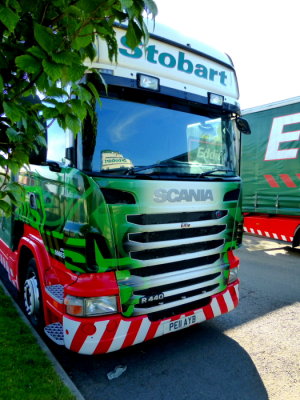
(271, 171)
(128, 230)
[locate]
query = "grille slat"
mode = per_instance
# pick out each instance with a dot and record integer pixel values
(167, 244)
(176, 266)
(176, 250)
(180, 296)
(152, 219)
(173, 234)
(178, 285)
(177, 300)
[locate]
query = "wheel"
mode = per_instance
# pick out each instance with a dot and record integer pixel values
(32, 298)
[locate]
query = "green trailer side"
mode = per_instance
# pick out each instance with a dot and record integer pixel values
(270, 166)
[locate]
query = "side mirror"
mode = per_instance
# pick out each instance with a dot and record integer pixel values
(243, 126)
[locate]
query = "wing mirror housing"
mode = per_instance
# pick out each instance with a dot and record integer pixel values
(243, 126)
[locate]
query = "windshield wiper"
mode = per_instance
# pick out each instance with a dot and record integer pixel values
(133, 170)
(137, 169)
(211, 172)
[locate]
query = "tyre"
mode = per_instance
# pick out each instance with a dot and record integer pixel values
(32, 297)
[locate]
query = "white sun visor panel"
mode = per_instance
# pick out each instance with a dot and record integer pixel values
(176, 67)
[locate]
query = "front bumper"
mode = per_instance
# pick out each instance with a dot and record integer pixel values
(115, 332)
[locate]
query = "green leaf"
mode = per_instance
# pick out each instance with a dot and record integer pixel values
(89, 6)
(72, 123)
(41, 141)
(56, 92)
(24, 123)
(63, 108)
(51, 101)
(120, 16)
(90, 51)
(83, 93)
(40, 126)
(133, 35)
(53, 70)
(63, 57)
(37, 52)
(72, 73)
(103, 83)
(14, 4)
(48, 40)
(134, 11)
(13, 111)
(151, 7)
(15, 191)
(11, 133)
(74, 11)
(43, 82)
(146, 35)
(78, 109)
(84, 37)
(50, 113)
(5, 207)
(94, 91)
(126, 3)
(14, 166)
(28, 63)
(8, 18)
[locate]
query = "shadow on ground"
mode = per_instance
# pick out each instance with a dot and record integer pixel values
(200, 363)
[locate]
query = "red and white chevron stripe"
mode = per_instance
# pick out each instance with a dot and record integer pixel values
(91, 336)
(271, 235)
(290, 181)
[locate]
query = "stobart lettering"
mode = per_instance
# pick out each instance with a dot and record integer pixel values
(188, 195)
(179, 61)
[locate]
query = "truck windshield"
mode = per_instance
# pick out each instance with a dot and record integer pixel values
(141, 139)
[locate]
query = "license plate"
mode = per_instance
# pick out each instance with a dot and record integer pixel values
(181, 323)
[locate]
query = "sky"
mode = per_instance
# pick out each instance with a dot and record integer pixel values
(261, 36)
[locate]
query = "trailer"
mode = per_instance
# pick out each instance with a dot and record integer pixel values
(270, 171)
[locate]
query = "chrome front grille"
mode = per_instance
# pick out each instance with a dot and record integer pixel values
(179, 254)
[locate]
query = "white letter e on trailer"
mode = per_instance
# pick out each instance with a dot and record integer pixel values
(277, 136)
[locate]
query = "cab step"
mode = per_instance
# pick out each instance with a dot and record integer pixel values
(55, 332)
(56, 292)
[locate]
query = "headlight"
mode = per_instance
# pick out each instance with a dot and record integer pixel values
(234, 263)
(90, 306)
(233, 274)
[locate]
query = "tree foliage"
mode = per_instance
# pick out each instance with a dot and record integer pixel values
(43, 47)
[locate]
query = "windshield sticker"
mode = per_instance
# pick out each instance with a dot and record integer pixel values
(205, 143)
(114, 160)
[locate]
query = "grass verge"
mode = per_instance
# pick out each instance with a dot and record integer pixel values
(25, 371)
